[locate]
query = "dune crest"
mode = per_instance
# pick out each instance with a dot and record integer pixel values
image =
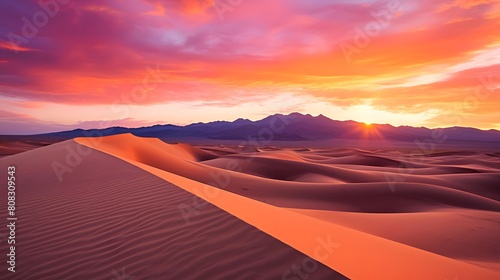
(109, 220)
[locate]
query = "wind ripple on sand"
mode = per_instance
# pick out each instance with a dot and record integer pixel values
(107, 215)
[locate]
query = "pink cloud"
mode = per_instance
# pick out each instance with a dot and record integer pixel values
(97, 52)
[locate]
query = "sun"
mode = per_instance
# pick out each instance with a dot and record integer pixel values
(368, 130)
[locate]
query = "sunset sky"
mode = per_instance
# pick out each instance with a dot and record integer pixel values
(132, 63)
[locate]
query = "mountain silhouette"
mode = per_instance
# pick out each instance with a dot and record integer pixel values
(292, 127)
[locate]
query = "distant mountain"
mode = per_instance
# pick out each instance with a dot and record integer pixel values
(293, 127)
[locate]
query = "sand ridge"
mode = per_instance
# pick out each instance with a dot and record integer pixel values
(109, 219)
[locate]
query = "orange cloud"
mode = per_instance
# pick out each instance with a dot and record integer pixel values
(425, 56)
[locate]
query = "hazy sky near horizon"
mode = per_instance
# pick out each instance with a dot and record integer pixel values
(89, 64)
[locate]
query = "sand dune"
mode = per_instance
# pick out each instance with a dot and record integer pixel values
(107, 218)
(173, 211)
(269, 180)
(468, 235)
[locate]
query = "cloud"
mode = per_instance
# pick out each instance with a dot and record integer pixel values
(12, 123)
(98, 52)
(127, 122)
(20, 124)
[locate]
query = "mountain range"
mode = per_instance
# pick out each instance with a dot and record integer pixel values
(292, 127)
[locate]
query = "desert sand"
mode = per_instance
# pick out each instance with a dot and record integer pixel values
(108, 219)
(11, 145)
(174, 211)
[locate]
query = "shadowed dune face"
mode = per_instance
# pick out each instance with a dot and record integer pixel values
(446, 203)
(12, 147)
